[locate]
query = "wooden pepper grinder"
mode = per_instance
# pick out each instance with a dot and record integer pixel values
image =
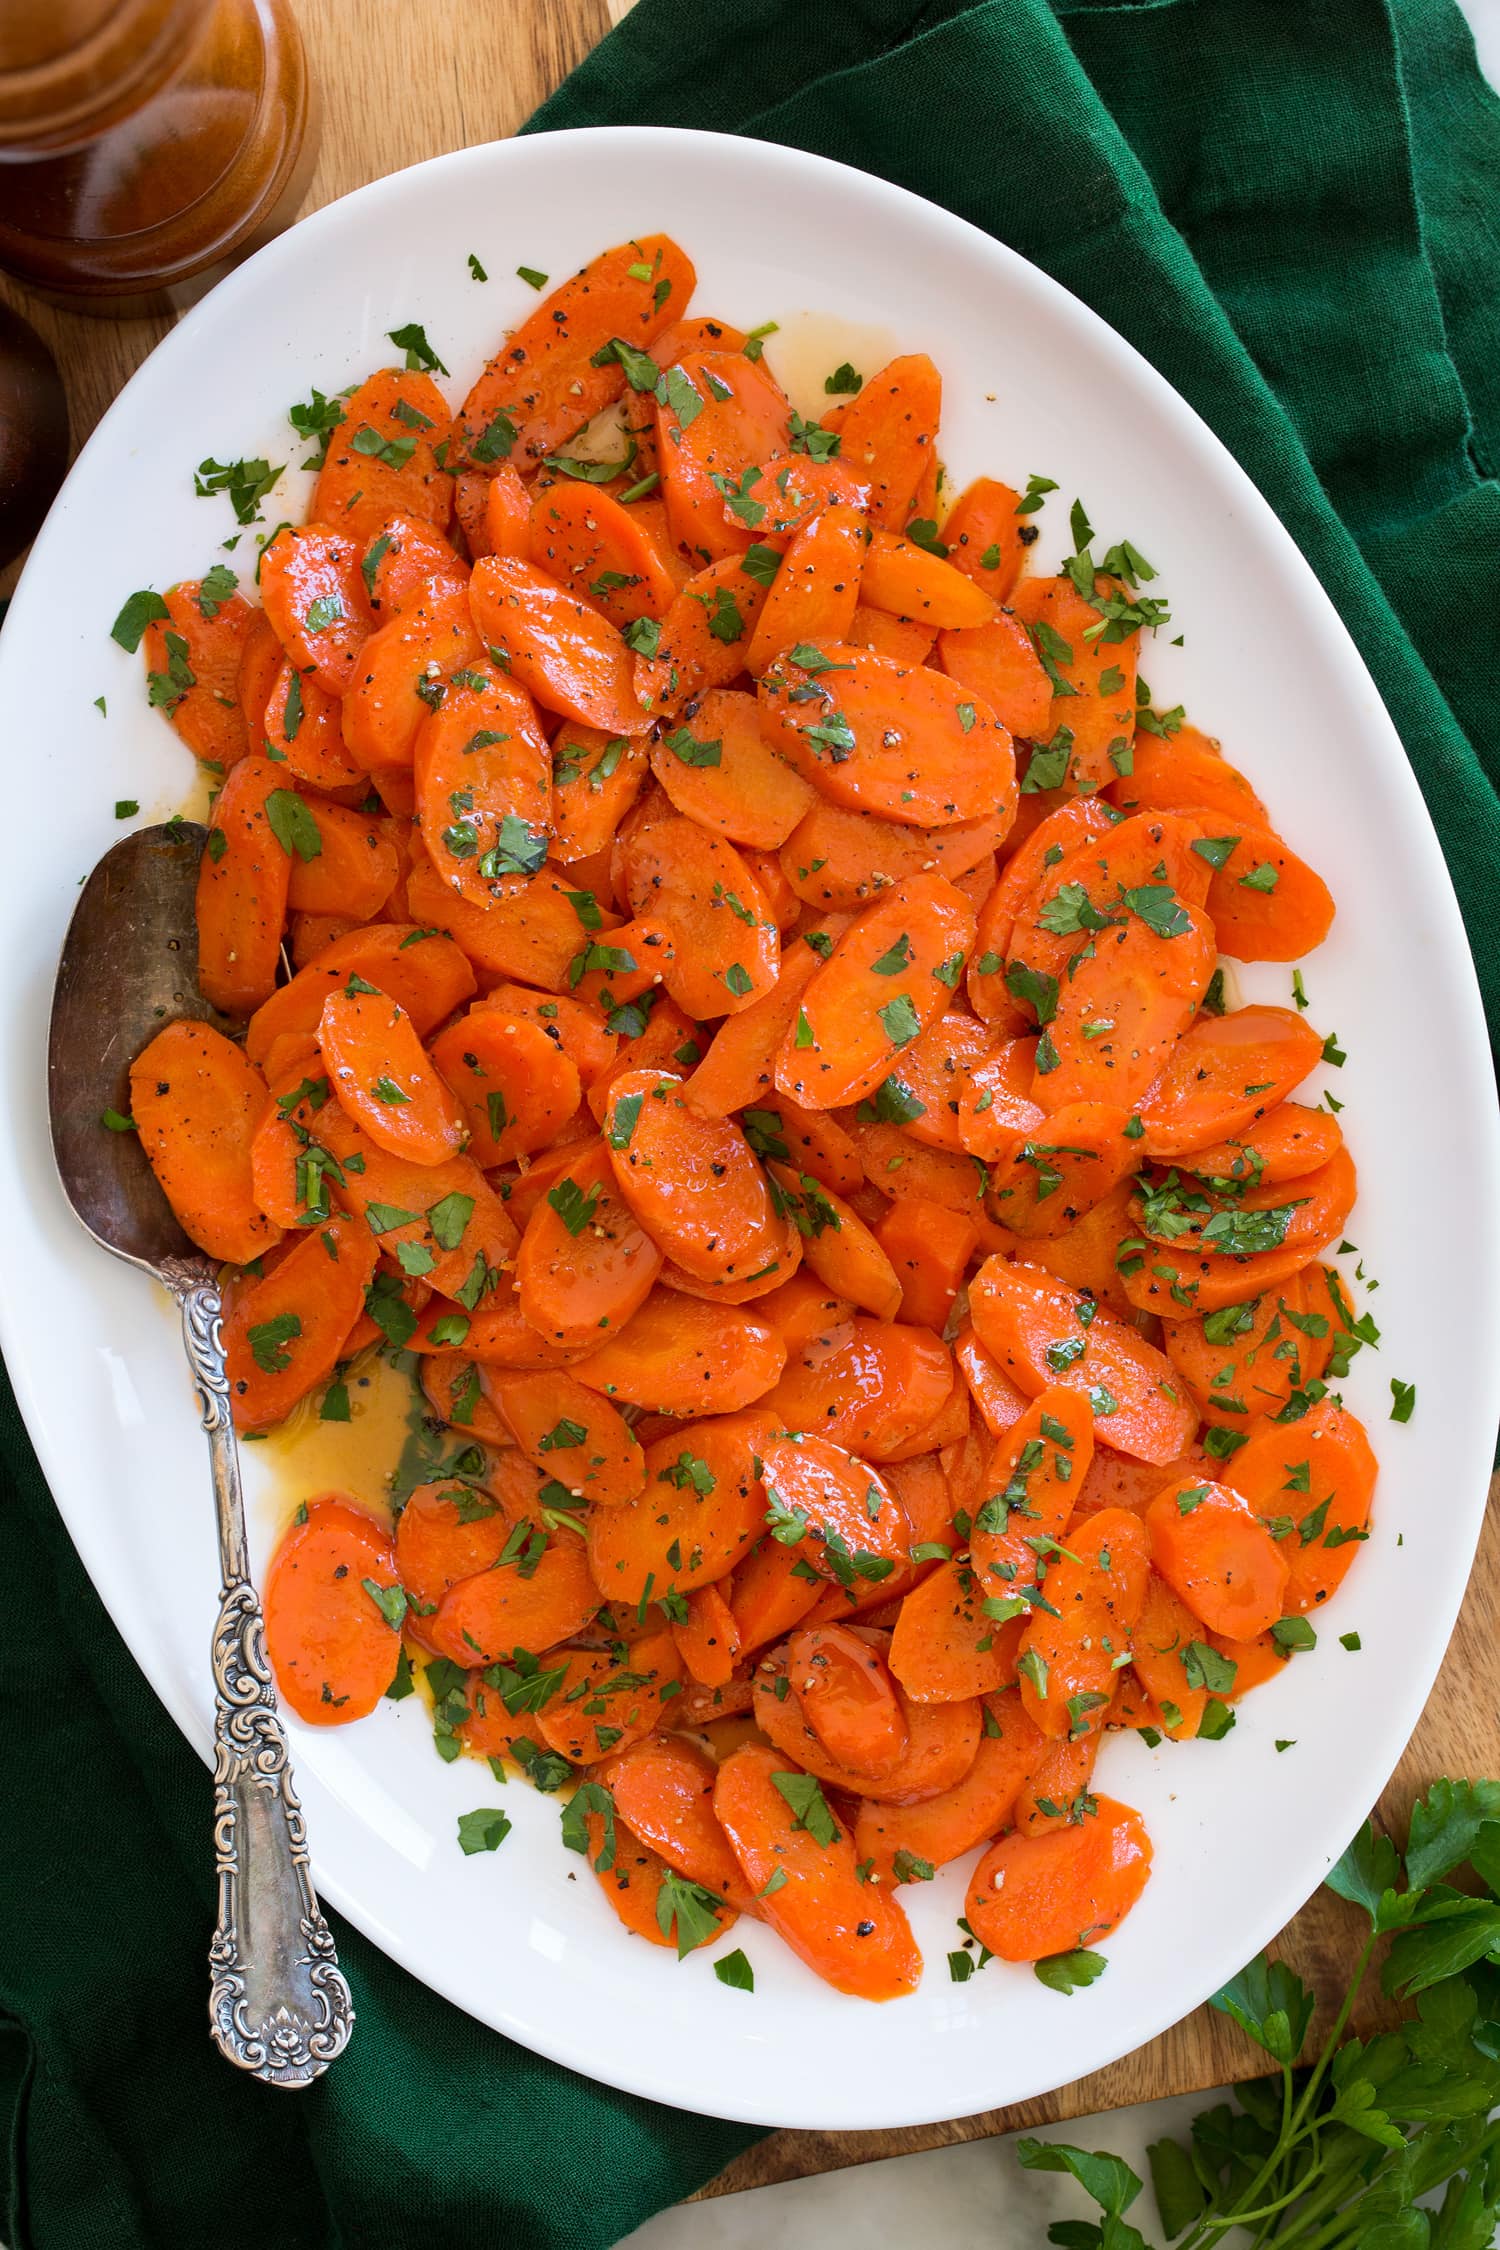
(146, 142)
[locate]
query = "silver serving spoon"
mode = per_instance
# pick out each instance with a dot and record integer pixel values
(279, 2005)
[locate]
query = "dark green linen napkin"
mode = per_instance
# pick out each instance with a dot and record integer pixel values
(1292, 208)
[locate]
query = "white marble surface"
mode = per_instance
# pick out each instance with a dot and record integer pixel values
(976, 2197)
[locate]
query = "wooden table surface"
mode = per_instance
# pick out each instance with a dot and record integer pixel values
(446, 74)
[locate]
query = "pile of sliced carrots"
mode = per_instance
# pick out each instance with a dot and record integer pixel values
(756, 1037)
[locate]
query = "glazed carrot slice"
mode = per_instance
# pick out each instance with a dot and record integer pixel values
(1032, 1896)
(380, 460)
(691, 1180)
(1055, 1793)
(1218, 1557)
(821, 1907)
(471, 491)
(812, 1141)
(634, 1880)
(1046, 1181)
(287, 1332)
(1288, 1142)
(776, 498)
(585, 1266)
(739, 1067)
(354, 870)
(1223, 1076)
(873, 1394)
(197, 1103)
(1069, 1661)
(193, 660)
(941, 1738)
(1033, 1476)
(507, 514)
(769, 1594)
(718, 415)
(888, 738)
(261, 658)
(604, 1702)
(891, 636)
(837, 1244)
(701, 1509)
(543, 384)
(680, 1356)
(515, 1086)
(1248, 1359)
(719, 770)
(559, 646)
(422, 970)
(727, 946)
(446, 1213)
(1187, 774)
(833, 1507)
(595, 780)
(1232, 1246)
(705, 634)
(996, 660)
(331, 1646)
(403, 671)
(910, 581)
(848, 1698)
(382, 1077)
(904, 1841)
(887, 977)
(1092, 728)
(493, 1336)
(315, 597)
(1052, 840)
(572, 1435)
(946, 1645)
(1163, 1659)
(984, 536)
(815, 592)
(889, 434)
(1265, 903)
(838, 858)
(584, 539)
(243, 879)
(446, 1532)
(452, 1389)
(1001, 1405)
(708, 1640)
(531, 928)
(1041, 1333)
(929, 1084)
(995, 1108)
(533, 1601)
(403, 557)
(303, 726)
(664, 1792)
(1320, 1472)
(483, 778)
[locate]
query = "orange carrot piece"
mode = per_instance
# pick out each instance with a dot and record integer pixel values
(664, 1792)
(243, 880)
(287, 1332)
(261, 658)
(997, 661)
(887, 977)
(405, 557)
(1265, 903)
(560, 647)
(983, 536)
(483, 779)
(1187, 774)
(585, 1266)
(848, 1699)
(1162, 1659)
(572, 1435)
(718, 415)
(769, 1595)
(889, 434)
(595, 780)
(383, 1079)
(1049, 1179)
(1055, 1793)
(906, 1840)
(888, 738)
(812, 598)
(402, 667)
(701, 1509)
(1320, 1472)
(930, 1249)
(999, 1402)
(584, 539)
(516, 1088)
(708, 1640)
(680, 1356)
(602, 1702)
(197, 1103)
(542, 385)
(1033, 1476)
(633, 1879)
(303, 726)
(739, 1067)
(1099, 713)
(873, 1394)
(946, 1645)
(724, 935)
(821, 1907)
(838, 858)
(354, 871)
(1257, 1353)
(484, 1619)
(1069, 1661)
(447, 1531)
(691, 1180)
(1032, 1896)
(452, 1389)
(380, 460)
(1202, 1271)
(315, 597)
(929, 1088)
(193, 660)
(834, 1507)
(1218, 1557)
(1288, 1142)
(941, 1738)
(704, 637)
(1041, 1333)
(1223, 1076)
(419, 968)
(912, 582)
(331, 1646)
(719, 770)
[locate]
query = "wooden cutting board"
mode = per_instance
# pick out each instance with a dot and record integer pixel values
(446, 74)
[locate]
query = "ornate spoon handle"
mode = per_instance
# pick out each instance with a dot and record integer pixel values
(279, 2005)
